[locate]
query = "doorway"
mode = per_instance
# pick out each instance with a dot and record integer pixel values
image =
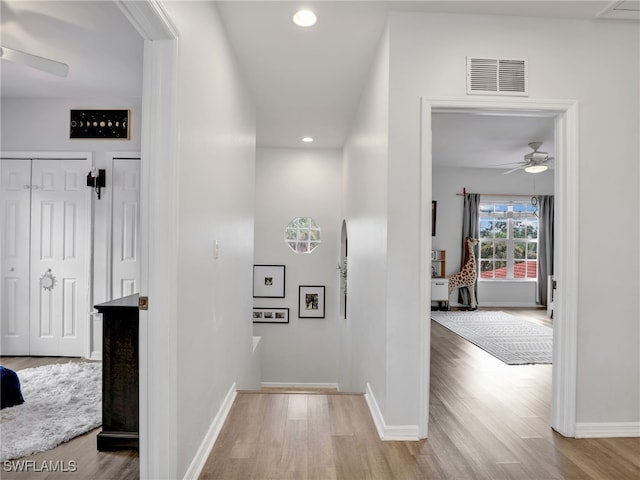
(566, 193)
(46, 287)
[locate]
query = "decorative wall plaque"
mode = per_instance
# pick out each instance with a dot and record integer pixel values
(99, 124)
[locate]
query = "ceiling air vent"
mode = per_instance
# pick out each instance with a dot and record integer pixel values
(493, 76)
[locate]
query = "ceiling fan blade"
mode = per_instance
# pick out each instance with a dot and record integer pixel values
(515, 169)
(40, 63)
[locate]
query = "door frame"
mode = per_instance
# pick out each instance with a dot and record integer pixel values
(85, 325)
(566, 190)
(158, 229)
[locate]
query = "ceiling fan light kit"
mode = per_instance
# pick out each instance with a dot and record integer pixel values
(536, 168)
(534, 162)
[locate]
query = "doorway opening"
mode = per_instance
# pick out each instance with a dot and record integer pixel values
(566, 193)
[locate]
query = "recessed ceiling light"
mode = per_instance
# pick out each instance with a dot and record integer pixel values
(307, 139)
(304, 18)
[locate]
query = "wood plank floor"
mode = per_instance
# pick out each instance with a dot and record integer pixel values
(487, 421)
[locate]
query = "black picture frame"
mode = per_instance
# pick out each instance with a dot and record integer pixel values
(95, 124)
(311, 301)
(270, 315)
(269, 281)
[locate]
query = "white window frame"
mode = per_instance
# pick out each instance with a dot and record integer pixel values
(510, 241)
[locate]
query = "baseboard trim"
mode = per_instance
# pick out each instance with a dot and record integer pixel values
(197, 464)
(299, 385)
(608, 430)
(405, 433)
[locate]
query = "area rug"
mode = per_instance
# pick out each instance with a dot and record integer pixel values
(61, 401)
(512, 339)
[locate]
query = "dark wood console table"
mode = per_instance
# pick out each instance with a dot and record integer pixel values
(120, 374)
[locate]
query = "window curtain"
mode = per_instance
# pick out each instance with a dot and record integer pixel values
(470, 217)
(545, 245)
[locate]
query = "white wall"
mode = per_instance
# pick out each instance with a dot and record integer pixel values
(299, 183)
(447, 182)
(42, 125)
(597, 63)
(216, 172)
(365, 207)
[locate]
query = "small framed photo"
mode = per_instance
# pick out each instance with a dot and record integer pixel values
(270, 315)
(268, 281)
(311, 301)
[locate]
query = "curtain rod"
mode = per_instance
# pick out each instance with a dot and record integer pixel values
(464, 192)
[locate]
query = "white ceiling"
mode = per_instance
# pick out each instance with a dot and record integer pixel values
(304, 82)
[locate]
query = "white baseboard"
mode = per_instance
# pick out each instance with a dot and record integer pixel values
(406, 433)
(96, 356)
(608, 430)
(197, 464)
(298, 385)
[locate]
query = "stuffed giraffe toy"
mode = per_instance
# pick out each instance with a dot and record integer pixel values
(467, 276)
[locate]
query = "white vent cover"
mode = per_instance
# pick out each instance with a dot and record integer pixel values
(494, 76)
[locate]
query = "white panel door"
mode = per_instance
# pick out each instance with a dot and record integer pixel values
(59, 239)
(126, 223)
(15, 193)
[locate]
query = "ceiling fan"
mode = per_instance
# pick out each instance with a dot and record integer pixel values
(534, 162)
(40, 63)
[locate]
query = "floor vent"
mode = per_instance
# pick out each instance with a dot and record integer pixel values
(493, 76)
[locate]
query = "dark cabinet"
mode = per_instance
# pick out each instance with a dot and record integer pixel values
(120, 374)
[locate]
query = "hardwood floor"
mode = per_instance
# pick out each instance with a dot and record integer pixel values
(77, 458)
(487, 420)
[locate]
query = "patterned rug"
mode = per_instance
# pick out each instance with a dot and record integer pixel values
(513, 340)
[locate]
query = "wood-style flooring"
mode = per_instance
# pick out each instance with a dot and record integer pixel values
(487, 421)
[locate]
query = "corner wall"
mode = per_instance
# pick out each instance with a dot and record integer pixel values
(365, 194)
(216, 171)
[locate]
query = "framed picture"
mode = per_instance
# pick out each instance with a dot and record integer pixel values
(311, 301)
(270, 315)
(434, 204)
(111, 124)
(268, 281)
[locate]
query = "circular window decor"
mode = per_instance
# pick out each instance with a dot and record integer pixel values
(302, 235)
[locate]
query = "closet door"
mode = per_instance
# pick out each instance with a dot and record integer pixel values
(15, 214)
(60, 235)
(126, 225)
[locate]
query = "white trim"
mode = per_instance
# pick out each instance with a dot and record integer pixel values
(607, 430)
(565, 112)
(158, 218)
(389, 433)
(507, 304)
(298, 385)
(200, 458)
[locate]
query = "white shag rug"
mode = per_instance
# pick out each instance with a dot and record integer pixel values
(61, 401)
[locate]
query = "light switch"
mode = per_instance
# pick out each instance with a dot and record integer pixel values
(216, 250)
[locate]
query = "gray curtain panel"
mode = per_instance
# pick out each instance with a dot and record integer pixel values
(545, 245)
(470, 218)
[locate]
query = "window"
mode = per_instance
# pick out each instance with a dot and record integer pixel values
(508, 240)
(302, 235)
